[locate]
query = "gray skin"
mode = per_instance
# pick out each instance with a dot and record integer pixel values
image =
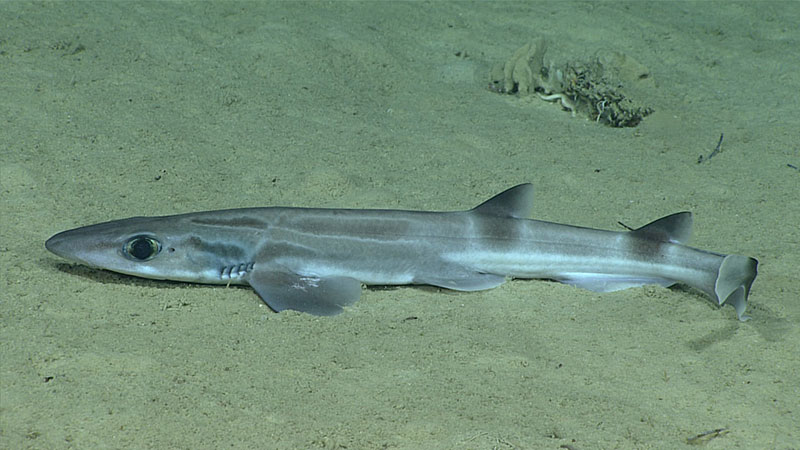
(315, 260)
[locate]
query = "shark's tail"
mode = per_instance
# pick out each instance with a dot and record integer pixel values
(735, 274)
(734, 278)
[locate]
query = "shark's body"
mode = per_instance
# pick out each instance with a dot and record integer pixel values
(315, 260)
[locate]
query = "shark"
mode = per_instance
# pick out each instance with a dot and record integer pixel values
(316, 260)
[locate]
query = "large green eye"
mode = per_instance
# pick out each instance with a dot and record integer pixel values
(141, 248)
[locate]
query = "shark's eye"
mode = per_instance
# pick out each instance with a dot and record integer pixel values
(141, 248)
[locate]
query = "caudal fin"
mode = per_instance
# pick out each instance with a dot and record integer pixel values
(734, 278)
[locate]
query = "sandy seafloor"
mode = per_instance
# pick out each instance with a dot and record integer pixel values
(112, 110)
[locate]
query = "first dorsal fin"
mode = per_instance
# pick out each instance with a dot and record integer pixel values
(516, 202)
(675, 228)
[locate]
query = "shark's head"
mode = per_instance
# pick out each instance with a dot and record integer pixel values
(148, 247)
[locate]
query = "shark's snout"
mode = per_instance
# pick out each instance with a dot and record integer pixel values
(58, 244)
(70, 245)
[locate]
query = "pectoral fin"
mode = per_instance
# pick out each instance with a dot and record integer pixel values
(313, 295)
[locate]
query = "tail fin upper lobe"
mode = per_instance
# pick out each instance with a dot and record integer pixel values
(734, 278)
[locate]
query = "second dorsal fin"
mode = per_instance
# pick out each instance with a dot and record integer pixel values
(675, 228)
